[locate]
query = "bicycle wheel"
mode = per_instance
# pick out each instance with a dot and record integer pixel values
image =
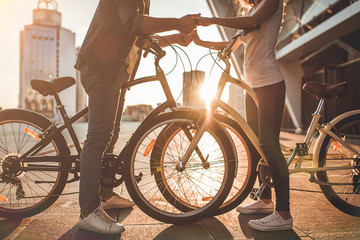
(245, 175)
(27, 188)
(159, 187)
(344, 191)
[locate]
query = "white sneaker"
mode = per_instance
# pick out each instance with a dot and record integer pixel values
(98, 221)
(116, 201)
(256, 207)
(273, 222)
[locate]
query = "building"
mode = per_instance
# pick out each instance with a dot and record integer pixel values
(46, 51)
(192, 83)
(319, 41)
(136, 113)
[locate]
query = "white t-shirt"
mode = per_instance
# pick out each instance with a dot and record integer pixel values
(260, 65)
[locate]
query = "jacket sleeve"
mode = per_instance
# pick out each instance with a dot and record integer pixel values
(129, 14)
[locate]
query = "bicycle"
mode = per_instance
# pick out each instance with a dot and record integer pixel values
(35, 158)
(336, 156)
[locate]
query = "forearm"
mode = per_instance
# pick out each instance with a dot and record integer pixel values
(213, 45)
(164, 41)
(152, 25)
(236, 22)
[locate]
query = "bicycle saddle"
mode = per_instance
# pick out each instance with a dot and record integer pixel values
(49, 87)
(327, 91)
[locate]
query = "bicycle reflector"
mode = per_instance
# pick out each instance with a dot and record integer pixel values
(3, 199)
(32, 133)
(336, 145)
(207, 199)
(149, 147)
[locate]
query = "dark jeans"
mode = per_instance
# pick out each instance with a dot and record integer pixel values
(103, 95)
(265, 120)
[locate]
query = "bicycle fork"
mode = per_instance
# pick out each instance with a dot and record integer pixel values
(194, 146)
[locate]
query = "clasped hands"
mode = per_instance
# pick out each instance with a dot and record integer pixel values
(187, 28)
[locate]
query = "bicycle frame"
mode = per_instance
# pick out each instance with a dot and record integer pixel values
(300, 150)
(54, 130)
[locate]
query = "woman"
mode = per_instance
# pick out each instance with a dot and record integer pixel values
(263, 74)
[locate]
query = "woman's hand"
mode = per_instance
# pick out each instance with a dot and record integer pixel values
(188, 23)
(205, 21)
(195, 38)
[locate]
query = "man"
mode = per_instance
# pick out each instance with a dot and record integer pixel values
(109, 55)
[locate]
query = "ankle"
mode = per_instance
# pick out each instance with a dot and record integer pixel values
(284, 214)
(86, 212)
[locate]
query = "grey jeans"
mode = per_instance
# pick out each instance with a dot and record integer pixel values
(103, 95)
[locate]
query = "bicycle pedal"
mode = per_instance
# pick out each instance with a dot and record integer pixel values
(253, 194)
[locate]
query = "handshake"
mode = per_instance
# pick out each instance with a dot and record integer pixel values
(187, 28)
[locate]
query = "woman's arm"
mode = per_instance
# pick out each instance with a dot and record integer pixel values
(266, 9)
(213, 45)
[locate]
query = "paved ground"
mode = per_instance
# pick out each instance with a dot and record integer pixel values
(314, 218)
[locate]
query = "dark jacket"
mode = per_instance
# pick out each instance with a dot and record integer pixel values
(111, 34)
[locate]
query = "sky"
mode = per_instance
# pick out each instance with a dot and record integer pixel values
(76, 16)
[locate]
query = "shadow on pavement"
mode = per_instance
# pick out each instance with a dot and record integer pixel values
(7, 226)
(79, 234)
(255, 234)
(209, 228)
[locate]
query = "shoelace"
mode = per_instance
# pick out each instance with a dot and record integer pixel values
(272, 217)
(102, 216)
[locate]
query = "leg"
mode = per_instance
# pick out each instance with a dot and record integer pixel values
(271, 104)
(110, 199)
(107, 192)
(103, 97)
(253, 121)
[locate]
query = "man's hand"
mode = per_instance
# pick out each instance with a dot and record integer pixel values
(188, 23)
(184, 39)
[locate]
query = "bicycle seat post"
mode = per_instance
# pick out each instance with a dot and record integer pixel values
(314, 121)
(61, 108)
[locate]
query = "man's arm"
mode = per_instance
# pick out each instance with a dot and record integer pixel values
(133, 21)
(181, 39)
(152, 25)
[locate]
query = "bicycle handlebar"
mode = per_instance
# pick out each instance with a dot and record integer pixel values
(151, 46)
(225, 53)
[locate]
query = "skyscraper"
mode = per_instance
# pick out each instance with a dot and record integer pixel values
(46, 51)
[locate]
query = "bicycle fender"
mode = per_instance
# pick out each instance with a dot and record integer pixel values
(322, 136)
(37, 118)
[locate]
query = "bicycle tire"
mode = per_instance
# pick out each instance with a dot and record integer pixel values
(346, 195)
(158, 206)
(25, 193)
(247, 158)
(246, 173)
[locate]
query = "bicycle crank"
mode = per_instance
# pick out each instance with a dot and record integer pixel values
(265, 174)
(111, 171)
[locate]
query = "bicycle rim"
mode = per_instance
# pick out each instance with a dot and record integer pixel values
(26, 192)
(344, 193)
(173, 195)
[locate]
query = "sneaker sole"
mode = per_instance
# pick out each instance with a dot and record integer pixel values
(92, 229)
(268, 228)
(108, 207)
(248, 211)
